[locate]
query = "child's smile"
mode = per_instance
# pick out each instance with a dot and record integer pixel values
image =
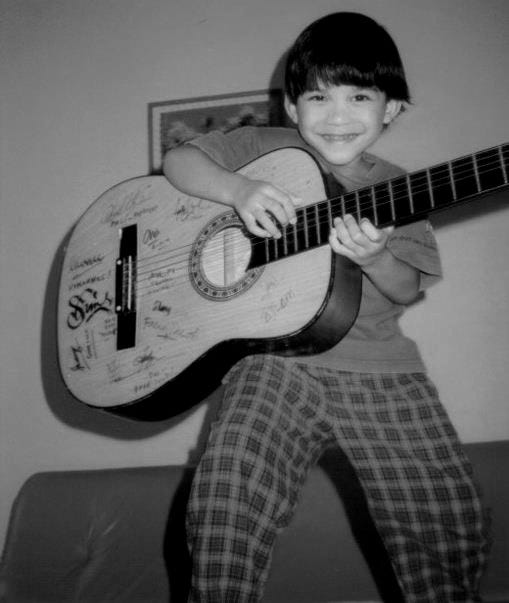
(340, 137)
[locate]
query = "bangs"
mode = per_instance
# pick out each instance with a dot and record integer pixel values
(345, 49)
(389, 80)
(337, 75)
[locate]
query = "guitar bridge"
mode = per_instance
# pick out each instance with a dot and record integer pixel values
(125, 287)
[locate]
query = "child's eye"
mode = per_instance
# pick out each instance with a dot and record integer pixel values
(316, 96)
(361, 97)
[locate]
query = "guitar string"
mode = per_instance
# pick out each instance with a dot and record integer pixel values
(217, 253)
(214, 278)
(181, 255)
(169, 267)
(380, 203)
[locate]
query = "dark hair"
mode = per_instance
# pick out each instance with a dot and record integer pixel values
(345, 48)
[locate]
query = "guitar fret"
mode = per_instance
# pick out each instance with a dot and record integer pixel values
(391, 199)
(453, 184)
(402, 203)
(295, 238)
(410, 195)
(420, 192)
(464, 177)
(476, 174)
(430, 186)
(358, 205)
(374, 207)
(502, 163)
(317, 226)
(313, 233)
(306, 234)
(441, 185)
(383, 204)
(505, 159)
(300, 231)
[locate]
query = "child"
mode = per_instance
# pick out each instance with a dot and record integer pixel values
(369, 394)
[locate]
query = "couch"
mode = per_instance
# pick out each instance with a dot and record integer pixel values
(117, 535)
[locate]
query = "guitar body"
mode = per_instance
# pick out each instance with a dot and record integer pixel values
(158, 300)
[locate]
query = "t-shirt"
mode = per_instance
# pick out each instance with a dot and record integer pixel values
(375, 342)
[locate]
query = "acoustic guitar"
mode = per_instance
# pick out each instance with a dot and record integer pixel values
(161, 293)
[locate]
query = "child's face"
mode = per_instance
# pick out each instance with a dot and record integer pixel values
(341, 122)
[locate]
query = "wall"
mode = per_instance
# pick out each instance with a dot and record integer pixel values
(75, 88)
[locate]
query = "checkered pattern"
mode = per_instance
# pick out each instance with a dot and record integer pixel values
(276, 419)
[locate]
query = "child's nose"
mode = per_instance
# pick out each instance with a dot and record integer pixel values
(338, 113)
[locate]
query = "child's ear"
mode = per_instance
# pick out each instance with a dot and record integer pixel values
(291, 110)
(392, 110)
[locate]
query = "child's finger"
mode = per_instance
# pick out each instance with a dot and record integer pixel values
(348, 231)
(265, 221)
(287, 203)
(254, 226)
(373, 233)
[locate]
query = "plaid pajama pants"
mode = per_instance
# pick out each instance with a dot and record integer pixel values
(276, 419)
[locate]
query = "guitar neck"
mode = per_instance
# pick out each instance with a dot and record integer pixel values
(398, 201)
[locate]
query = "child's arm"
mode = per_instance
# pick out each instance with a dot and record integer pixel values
(367, 246)
(193, 172)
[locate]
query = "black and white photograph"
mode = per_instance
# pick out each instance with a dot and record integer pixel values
(254, 342)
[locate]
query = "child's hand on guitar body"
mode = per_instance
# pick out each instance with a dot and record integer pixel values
(263, 206)
(360, 242)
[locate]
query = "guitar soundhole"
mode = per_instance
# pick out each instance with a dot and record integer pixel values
(220, 257)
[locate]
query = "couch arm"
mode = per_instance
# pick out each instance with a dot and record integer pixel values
(95, 536)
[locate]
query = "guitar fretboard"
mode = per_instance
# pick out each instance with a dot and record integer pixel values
(398, 201)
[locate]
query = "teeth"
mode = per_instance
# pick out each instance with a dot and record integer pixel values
(340, 137)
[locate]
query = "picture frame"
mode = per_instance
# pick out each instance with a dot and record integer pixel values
(176, 121)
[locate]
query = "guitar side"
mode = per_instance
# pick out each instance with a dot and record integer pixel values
(157, 301)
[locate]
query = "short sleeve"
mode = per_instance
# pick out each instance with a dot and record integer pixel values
(233, 149)
(238, 147)
(416, 245)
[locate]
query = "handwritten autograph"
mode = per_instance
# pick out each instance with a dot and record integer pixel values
(86, 305)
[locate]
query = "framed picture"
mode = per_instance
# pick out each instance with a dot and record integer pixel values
(177, 121)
